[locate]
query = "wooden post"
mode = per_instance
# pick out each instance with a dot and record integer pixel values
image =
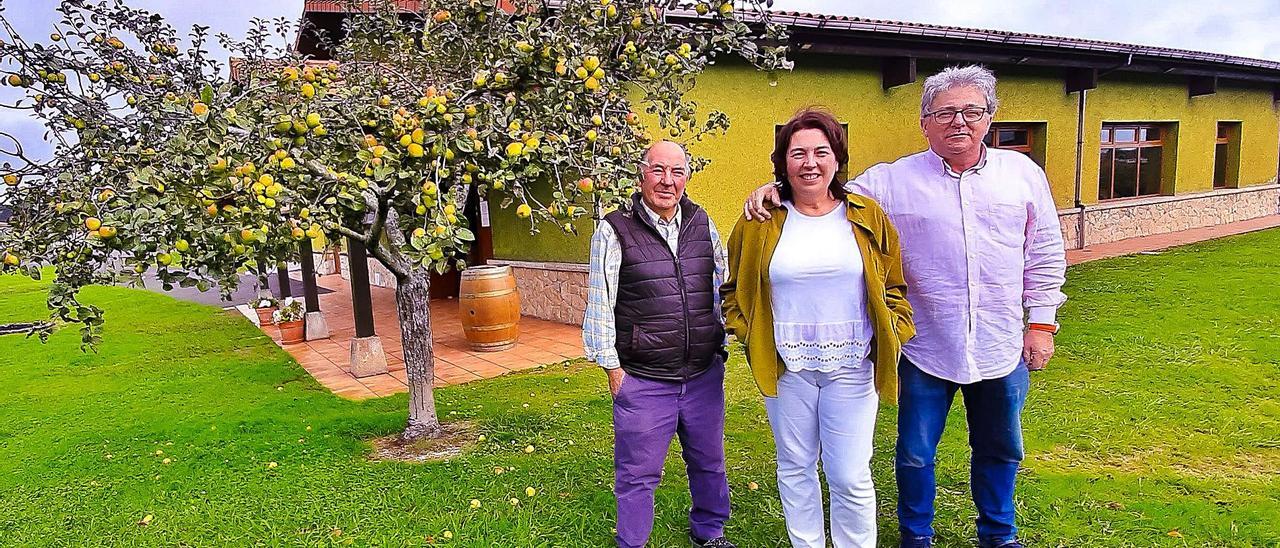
(361, 299)
(317, 326)
(309, 291)
(282, 278)
(367, 357)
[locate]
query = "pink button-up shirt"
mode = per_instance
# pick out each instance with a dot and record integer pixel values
(978, 248)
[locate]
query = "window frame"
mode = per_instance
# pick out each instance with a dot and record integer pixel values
(1035, 139)
(1107, 142)
(1227, 138)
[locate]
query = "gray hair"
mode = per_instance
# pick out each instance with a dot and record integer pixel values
(976, 76)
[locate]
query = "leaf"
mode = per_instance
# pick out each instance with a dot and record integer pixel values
(466, 235)
(146, 520)
(206, 94)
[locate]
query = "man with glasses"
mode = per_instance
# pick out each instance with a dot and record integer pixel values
(984, 262)
(653, 323)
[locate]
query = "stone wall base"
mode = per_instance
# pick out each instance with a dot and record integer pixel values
(379, 276)
(1114, 221)
(551, 291)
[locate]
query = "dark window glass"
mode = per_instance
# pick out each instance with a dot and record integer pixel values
(1149, 171)
(1013, 137)
(1105, 173)
(1149, 134)
(1220, 165)
(1126, 134)
(1222, 131)
(1126, 173)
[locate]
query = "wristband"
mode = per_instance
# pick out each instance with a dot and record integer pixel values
(1049, 328)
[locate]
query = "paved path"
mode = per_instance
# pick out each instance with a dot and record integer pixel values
(1165, 241)
(245, 290)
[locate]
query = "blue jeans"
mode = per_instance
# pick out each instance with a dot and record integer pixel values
(994, 412)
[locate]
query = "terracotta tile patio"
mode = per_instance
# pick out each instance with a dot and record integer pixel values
(541, 342)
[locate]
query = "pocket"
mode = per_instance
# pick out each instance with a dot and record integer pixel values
(1006, 223)
(636, 333)
(620, 397)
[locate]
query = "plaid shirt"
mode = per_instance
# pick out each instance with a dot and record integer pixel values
(599, 333)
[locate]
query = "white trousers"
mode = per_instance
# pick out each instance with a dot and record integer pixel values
(832, 415)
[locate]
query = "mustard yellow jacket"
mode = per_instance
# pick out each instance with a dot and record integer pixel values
(749, 313)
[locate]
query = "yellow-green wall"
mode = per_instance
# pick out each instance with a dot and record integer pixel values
(884, 125)
(1136, 98)
(512, 238)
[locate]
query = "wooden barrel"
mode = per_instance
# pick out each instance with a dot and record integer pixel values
(489, 305)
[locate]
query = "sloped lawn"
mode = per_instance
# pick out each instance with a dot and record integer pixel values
(1158, 424)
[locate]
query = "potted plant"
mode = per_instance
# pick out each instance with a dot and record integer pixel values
(265, 307)
(289, 319)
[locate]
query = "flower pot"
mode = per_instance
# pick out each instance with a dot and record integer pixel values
(264, 315)
(292, 332)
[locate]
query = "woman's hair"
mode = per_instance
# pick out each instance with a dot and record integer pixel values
(811, 118)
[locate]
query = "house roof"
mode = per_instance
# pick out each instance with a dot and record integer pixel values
(840, 34)
(845, 35)
(796, 19)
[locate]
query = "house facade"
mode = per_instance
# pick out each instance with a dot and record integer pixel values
(1135, 140)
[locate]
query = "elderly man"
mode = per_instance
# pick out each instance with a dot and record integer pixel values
(983, 254)
(653, 323)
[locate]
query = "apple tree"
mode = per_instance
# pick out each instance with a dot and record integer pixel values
(166, 162)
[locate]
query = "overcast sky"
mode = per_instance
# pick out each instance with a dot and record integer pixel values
(1242, 27)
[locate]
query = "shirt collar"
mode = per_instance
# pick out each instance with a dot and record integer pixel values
(657, 219)
(946, 168)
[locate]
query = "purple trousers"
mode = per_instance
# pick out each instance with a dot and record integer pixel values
(646, 415)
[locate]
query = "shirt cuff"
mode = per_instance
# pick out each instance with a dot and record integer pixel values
(1042, 314)
(606, 360)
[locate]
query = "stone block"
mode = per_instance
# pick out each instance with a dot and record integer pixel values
(317, 326)
(367, 357)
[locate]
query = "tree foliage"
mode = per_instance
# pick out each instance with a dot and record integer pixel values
(166, 162)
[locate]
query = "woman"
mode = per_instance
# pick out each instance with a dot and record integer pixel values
(817, 295)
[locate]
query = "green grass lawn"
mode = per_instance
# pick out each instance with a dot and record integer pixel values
(1158, 424)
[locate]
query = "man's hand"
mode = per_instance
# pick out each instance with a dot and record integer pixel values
(1037, 349)
(615, 380)
(754, 207)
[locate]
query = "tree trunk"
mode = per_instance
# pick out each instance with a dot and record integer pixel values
(419, 358)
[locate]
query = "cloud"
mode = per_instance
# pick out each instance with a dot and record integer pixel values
(1241, 27)
(35, 19)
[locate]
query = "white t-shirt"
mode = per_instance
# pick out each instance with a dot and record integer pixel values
(818, 293)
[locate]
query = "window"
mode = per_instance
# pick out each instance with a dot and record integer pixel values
(1027, 138)
(1226, 155)
(1131, 160)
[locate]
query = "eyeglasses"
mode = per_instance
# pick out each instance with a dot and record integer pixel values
(946, 116)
